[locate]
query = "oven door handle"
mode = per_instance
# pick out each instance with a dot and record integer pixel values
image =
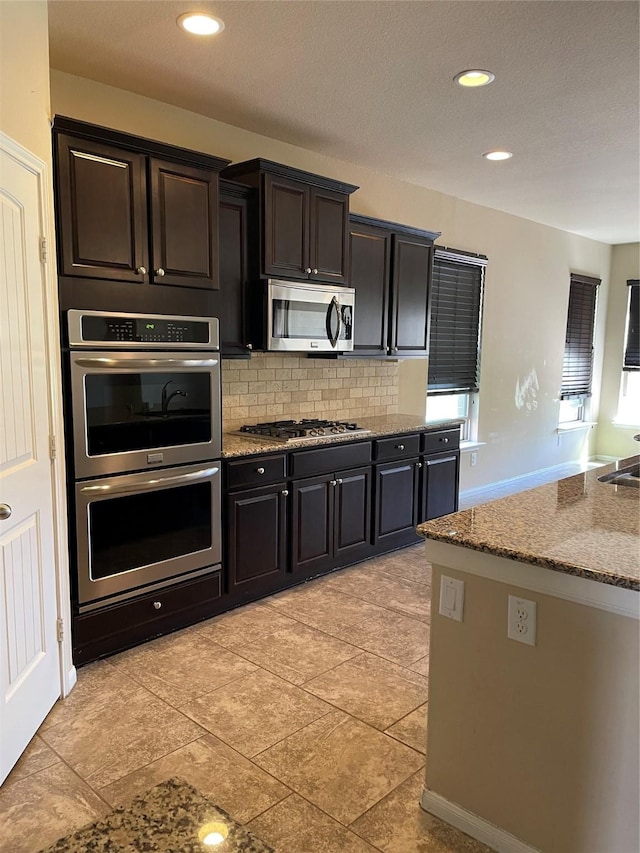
(155, 483)
(146, 362)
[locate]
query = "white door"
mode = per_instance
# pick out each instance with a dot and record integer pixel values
(29, 659)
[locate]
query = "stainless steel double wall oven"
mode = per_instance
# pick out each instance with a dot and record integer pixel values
(146, 432)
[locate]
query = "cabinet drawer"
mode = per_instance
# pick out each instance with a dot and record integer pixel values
(327, 460)
(398, 447)
(440, 440)
(259, 471)
(128, 623)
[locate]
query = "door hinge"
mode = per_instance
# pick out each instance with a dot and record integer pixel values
(44, 250)
(53, 447)
(60, 630)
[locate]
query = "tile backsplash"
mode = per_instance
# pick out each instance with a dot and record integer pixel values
(271, 387)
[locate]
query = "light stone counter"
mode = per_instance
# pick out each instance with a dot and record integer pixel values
(237, 445)
(578, 526)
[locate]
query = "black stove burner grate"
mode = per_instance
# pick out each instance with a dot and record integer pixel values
(304, 428)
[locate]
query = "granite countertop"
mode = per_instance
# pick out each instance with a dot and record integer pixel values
(238, 445)
(578, 525)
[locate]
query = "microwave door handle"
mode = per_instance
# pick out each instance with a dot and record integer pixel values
(154, 483)
(334, 305)
(159, 363)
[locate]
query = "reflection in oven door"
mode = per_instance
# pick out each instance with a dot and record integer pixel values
(138, 529)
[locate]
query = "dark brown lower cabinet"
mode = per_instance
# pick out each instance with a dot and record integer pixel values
(396, 504)
(330, 521)
(439, 493)
(257, 539)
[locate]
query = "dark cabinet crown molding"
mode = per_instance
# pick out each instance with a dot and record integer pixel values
(239, 170)
(396, 227)
(162, 150)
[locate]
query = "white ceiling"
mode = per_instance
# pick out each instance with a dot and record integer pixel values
(371, 83)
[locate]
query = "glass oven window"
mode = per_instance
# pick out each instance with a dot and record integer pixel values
(306, 320)
(133, 531)
(142, 411)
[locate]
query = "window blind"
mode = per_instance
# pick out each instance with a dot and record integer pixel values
(632, 346)
(456, 305)
(577, 368)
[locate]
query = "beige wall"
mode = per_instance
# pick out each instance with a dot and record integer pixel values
(541, 741)
(527, 280)
(617, 440)
(24, 75)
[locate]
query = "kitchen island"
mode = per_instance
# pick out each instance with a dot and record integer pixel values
(536, 747)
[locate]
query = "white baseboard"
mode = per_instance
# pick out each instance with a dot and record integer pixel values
(478, 828)
(480, 490)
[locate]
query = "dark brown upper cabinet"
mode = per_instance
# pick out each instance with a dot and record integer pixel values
(390, 268)
(302, 222)
(134, 210)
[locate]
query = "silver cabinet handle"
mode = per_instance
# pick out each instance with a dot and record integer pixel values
(394, 349)
(157, 605)
(339, 481)
(141, 270)
(5, 512)
(333, 482)
(284, 493)
(399, 446)
(419, 465)
(259, 470)
(315, 272)
(160, 272)
(308, 270)
(444, 440)
(248, 346)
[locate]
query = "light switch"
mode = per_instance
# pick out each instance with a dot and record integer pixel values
(451, 598)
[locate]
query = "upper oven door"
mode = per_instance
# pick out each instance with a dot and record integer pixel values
(303, 318)
(133, 411)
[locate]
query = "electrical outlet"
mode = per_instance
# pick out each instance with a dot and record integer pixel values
(521, 624)
(473, 458)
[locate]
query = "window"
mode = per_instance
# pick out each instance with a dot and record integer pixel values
(577, 367)
(454, 343)
(629, 401)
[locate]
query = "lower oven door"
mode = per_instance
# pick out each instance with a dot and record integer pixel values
(138, 529)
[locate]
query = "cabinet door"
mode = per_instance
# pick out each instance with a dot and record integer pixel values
(329, 236)
(369, 273)
(102, 216)
(312, 525)
(440, 485)
(184, 212)
(352, 515)
(411, 282)
(286, 228)
(228, 302)
(256, 547)
(396, 504)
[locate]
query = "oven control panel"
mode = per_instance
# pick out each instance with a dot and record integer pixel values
(97, 328)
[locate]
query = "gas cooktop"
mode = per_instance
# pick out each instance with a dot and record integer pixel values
(305, 429)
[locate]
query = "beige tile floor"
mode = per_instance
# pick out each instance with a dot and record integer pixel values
(303, 716)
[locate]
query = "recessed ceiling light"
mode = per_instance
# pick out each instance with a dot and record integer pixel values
(498, 155)
(474, 77)
(200, 24)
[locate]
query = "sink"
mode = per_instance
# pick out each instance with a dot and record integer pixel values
(623, 477)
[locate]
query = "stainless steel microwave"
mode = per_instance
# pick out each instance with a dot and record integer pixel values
(309, 317)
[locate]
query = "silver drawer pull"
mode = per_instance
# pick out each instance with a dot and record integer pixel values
(157, 605)
(5, 512)
(284, 493)
(399, 446)
(259, 470)
(444, 440)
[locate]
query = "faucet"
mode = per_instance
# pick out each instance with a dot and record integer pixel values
(167, 398)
